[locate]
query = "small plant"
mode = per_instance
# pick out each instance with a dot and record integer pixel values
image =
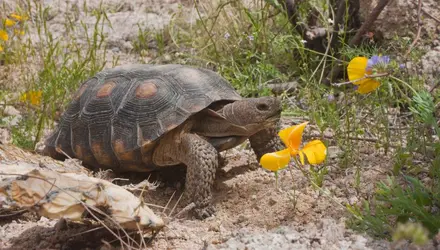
(11, 31)
(402, 198)
(399, 203)
(414, 232)
(61, 64)
(249, 47)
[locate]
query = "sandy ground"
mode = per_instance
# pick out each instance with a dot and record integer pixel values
(252, 213)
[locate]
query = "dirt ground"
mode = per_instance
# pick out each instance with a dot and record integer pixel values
(252, 211)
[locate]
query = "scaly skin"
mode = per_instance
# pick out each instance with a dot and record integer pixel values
(266, 141)
(201, 160)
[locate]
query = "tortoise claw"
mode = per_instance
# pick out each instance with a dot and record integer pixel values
(203, 213)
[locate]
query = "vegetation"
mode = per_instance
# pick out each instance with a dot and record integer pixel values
(383, 104)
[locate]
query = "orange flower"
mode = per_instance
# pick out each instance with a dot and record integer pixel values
(34, 97)
(315, 151)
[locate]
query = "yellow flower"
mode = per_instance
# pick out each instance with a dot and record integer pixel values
(34, 97)
(19, 32)
(18, 17)
(357, 69)
(315, 151)
(9, 22)
(4, 35)
(276, 160)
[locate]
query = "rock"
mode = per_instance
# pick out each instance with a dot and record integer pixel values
(326, 234)
(12, 121)
(430, 62)
(5, 136)
(127, 46)
(399, 18)
(11, 111)
(333, 152)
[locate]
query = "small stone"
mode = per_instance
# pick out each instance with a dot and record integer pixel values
(315, 244)
(115, 50)
(167, 58)
(11, 111)
(5, 136)
(272, 201)
(254, 197)
(127, 46)
(241, 219)
(61, 225)
(214, 227)
(14, 121)
(333, 152)
(292, 237)
(43, 219)
(353, 200)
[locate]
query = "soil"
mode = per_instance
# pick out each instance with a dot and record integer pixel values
(254, 211)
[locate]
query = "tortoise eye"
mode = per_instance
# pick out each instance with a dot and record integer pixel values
(263, 107)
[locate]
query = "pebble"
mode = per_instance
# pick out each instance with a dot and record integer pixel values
(11, 111)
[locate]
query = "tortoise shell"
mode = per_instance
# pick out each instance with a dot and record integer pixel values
(117, 116)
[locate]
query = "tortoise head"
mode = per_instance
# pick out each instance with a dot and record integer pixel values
(253, 114)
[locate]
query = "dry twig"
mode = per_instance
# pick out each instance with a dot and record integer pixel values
(419, 28)
(431, 16)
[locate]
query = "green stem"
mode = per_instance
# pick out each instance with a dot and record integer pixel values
(405, 83)
(206, 29)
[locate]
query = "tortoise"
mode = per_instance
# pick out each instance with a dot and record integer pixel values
(142, 117)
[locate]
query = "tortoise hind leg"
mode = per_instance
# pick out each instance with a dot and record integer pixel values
(201, 160)
(265, 141)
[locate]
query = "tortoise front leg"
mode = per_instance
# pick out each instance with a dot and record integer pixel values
(201, 160)
(266, 141)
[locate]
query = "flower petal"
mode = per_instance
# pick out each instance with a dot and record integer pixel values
(315, 152)
(18, 32)
(18, 17)
(361, 82)
(9, 22)
(292, 136)
(4, 35)
(276, 160)
(367, 86)
(357, 68)
(1, 48)
(35, 97)
(373, 61)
